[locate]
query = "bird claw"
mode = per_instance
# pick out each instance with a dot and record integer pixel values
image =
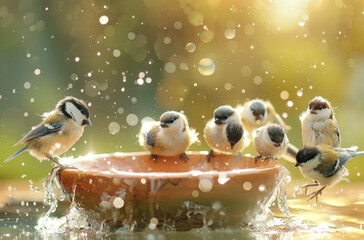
(59, 165)
(256, 158)
(184, 157)
(153, 158)
(315, 194)
(305, 186)
(211, 154)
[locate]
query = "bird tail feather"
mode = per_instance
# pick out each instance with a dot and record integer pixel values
(16, 154)
(344, 160)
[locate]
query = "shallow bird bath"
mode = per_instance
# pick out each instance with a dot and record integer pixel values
(130, 190)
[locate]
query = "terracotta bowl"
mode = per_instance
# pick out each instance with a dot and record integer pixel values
(132, 190)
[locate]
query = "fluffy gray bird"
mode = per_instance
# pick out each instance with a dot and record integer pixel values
(224, 132)
(270, 141)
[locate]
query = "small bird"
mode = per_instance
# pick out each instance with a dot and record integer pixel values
(324, 165)
(224, 132)
(171, 136)
(270, 141)
(59, 130)
(257, 113)
(319, 125)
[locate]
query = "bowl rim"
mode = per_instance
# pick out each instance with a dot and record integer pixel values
(265, 167)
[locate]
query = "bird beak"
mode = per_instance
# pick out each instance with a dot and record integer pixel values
(164, 125)
(313, 112)
(277, 144)
(297, 164)
(86, 122)
(218, 121)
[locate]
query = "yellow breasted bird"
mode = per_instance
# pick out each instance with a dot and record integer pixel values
(59, 130)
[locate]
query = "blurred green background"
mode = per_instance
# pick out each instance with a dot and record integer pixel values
(133, 59)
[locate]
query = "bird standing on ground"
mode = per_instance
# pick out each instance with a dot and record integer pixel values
(324, 165)
(224, 132)
(270, 141)
(59, 130)
(171, 136)
(319, 125)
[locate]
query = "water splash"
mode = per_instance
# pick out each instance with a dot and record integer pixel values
(50, 199)
(261, 217)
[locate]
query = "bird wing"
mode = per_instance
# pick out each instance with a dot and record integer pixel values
(327, 132)
(150, 136)
(344, 155)
(329, 161)
(41, 130)
(234, 132)
(274, 116)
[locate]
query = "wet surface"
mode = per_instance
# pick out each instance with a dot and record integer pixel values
(337, 215)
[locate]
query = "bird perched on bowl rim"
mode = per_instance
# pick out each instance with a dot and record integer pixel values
(324, 165)
(59, 130)
(270, 141)
(257, 113)
(224, 132)
(171, 136)
(319, 125)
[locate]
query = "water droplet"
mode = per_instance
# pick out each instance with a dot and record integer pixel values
(118, 202)
(299, 93)
(170, 67)
(290, 103)
(284, 95)
(195, 193)
(27, 85)
(140, 81)
(246, 71)
(261, 188)
(74, 77)
(229, 33)
(223, 178)
(37, 71)
(116, 53)
(132, 119)
(141, 75)
(205, 185)
(131, 35)
(104, 19)
(148, 80)
(114, 128)
(257, 80)
(228, 86)
(167, 40)
(77, 59)
(183, 66)
(206, 66)
(177, 25)
(284, 115)
(247, 186)
(301, 23)
(190, 47)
